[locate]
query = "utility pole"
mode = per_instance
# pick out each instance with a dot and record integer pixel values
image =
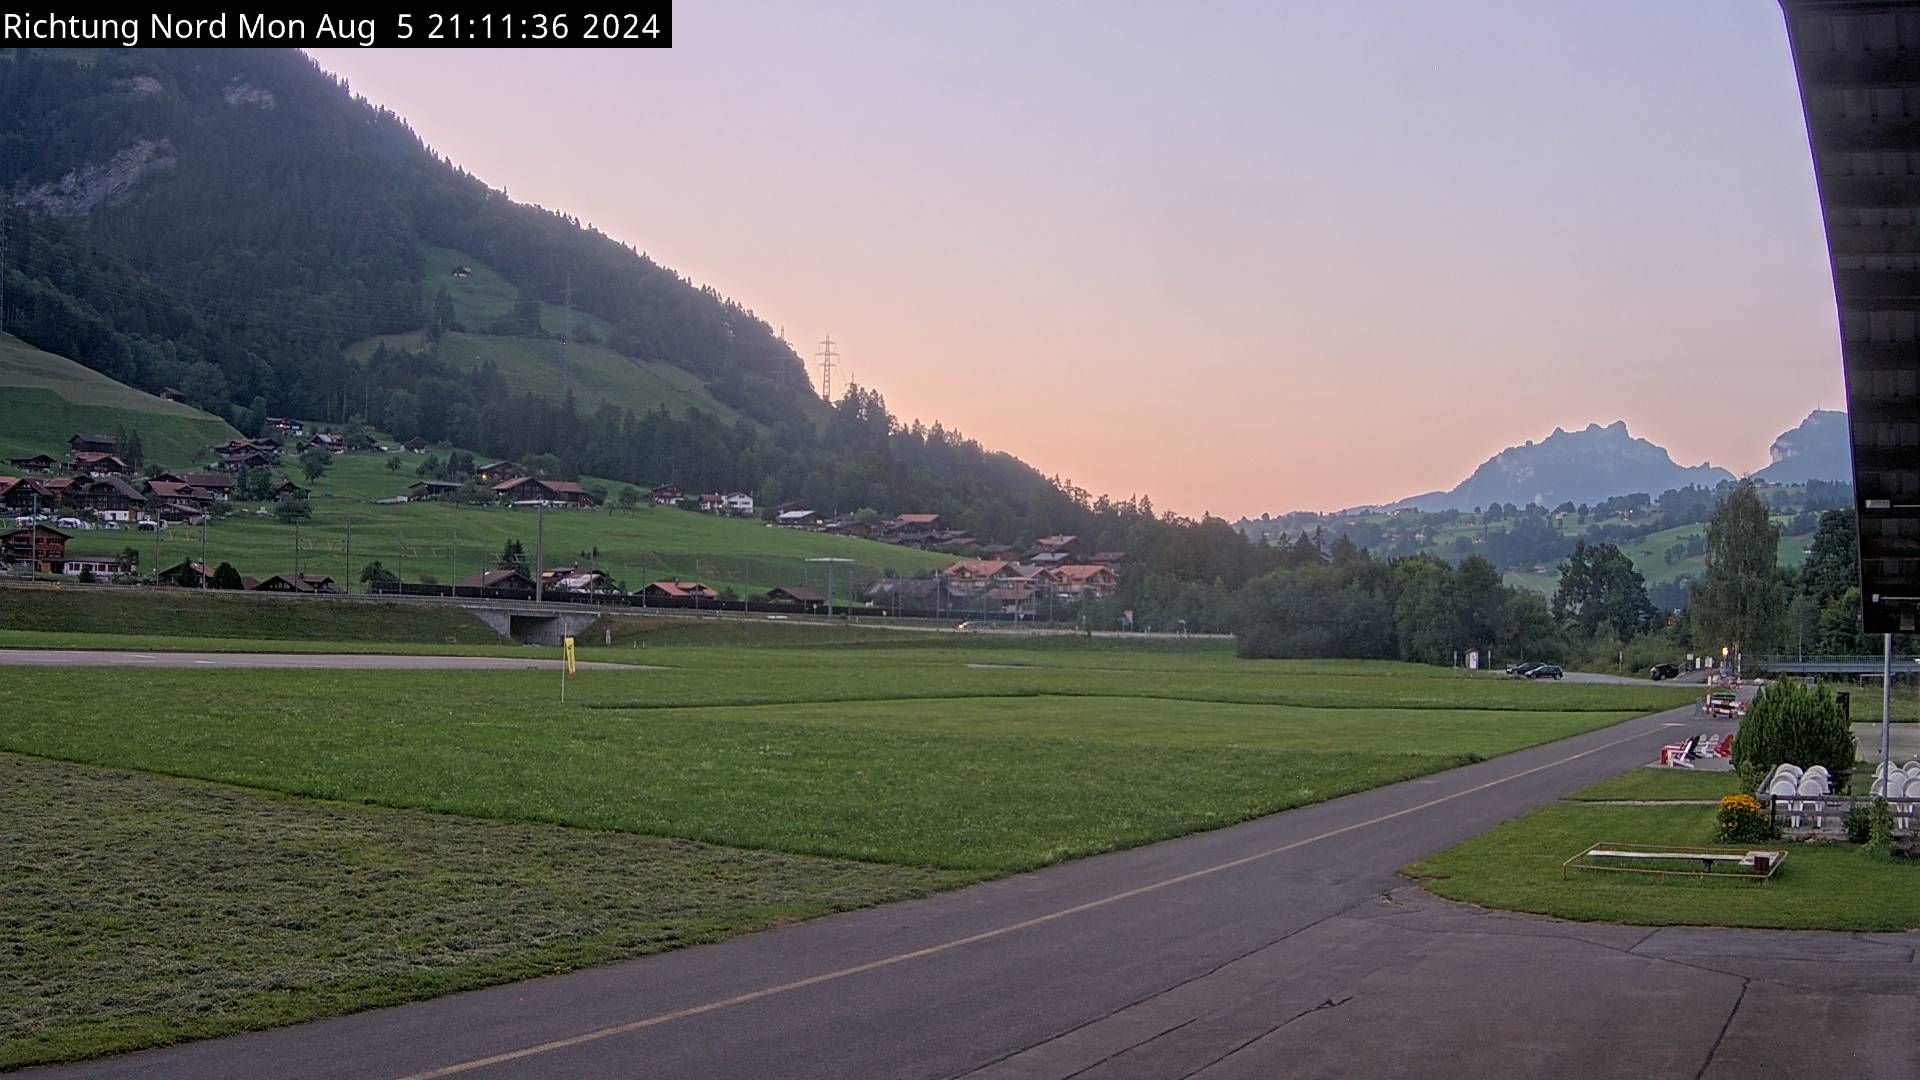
(402, 574)
(539, 549)
(1885, 773)
(203, 553)
(348, 580)
(826, 368)
(453, 559)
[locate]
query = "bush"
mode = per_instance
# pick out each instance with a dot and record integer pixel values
(1743, 821)
(1879, 831)
(1791, 722)
(1859, 822)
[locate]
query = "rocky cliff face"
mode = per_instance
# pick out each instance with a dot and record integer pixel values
(1816, 450)
(86, 189)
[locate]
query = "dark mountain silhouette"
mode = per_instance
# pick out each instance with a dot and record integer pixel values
(1816, 450)
(1586, 466)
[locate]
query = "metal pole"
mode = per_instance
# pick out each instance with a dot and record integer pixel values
(1886, 709)
(203, 552)
(539, 550)
(349, 578)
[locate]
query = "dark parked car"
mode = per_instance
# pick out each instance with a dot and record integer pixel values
(1546, 671)
(1523, 670)
(1665, 671)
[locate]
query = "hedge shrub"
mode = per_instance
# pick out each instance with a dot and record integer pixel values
(1792, 722)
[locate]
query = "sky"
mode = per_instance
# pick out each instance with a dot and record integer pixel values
(1241, 257)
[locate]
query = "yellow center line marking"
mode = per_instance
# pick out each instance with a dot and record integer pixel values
(986, 935)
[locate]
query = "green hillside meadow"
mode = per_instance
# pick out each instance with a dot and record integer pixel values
(45, 398)
(448, 541)
(596, 374)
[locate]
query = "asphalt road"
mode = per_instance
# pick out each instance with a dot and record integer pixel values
(1286, 946)
(105, 658)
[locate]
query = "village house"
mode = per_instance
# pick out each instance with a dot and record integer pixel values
(219, 486)
(298, 583)
(244, 446)
(578, 580)
(17, 493)
(239, 461)
(415, 445)
(514, 584)
(287, 489)
(1086, 579)
(36, 548)
(738, 504)
(678, 590)
(99, 566)
(849, 525)
(93, 444)
(1072, 547)
(799, 519)
(286, 426)
(169, 393)
(713, 503)
(111, 497)
(971, 577)
(426, 490)
(527, 489)
(51, 492)
(916, 594)
(90, 463)
(183, 497)
(1016, 600)
(796, 594)
(186, 574)
(38, 463)
(494, 472)
(666, 495)
(913, 530)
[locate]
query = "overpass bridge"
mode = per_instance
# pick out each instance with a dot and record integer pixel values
(1831, 665)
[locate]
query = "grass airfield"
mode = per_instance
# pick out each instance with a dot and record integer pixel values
(732, 778)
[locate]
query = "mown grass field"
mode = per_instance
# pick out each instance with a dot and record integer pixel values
(45, 398)
(448, 542)
(732, 782)
(273, 910)
(1517, 867)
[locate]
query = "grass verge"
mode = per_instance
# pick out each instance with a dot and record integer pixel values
(1517, 867)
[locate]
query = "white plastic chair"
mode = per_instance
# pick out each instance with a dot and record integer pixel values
(1787, 768)
(1819, 771)
(1815, 789)
(1783, 791)
(1888, 769)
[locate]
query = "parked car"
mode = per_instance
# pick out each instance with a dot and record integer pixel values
(1546, 671)
(1724, 703)
(1664, 671)
(1524, 669)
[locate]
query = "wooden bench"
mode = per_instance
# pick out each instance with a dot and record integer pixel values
(1760, 864)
